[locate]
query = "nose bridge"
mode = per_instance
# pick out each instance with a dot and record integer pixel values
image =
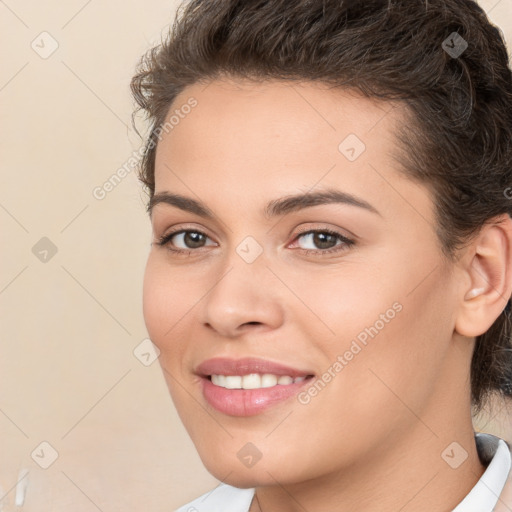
(246, 261)
(244, 291)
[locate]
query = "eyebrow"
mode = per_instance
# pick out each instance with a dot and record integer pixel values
(274, 208)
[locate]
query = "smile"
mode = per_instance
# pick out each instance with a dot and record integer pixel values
(249, 386)
(253, 380)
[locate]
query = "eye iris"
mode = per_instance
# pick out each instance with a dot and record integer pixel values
(319, 240)
(191, 239)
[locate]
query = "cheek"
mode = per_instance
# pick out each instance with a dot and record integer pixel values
(400, 362)
(165, 303)
(155, 303)
(342, 304)
(391, 334)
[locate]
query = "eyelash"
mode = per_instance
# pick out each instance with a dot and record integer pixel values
(164, 241)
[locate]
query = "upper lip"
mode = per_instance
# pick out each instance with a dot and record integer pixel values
(246, 365)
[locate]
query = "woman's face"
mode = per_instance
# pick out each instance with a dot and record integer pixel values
(363, 314)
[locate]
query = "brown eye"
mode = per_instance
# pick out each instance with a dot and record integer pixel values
(189, 239)
(192, 239)
(321, 239)
(324, 241)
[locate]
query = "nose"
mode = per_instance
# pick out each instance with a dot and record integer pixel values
(246, 296)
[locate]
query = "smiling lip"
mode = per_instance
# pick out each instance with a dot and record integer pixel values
(247, 402)
(225, 366)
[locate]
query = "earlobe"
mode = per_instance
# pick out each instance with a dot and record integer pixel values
(489, 268)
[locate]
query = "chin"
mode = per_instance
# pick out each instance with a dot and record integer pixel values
(241, 477)
(228, 468)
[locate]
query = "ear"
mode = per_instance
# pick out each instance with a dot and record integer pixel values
(487, 287)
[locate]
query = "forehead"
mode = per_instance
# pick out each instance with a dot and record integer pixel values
(309, 107)
(277, 121)
(278, 138)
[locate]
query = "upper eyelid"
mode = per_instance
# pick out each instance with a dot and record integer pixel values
(185, 228)
(302, 231)
(312, 226)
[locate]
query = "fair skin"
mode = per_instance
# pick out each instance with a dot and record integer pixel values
(372, 439)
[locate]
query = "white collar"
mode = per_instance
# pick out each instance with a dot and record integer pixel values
(493, 452)
(485, 494)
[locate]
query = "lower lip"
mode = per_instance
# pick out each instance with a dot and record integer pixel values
(248, 402)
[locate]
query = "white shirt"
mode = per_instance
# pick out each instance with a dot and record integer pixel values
(493, 452)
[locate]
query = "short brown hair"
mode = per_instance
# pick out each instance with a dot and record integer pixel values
(442, 59)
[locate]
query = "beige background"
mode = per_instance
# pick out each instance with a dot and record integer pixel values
(70, 323)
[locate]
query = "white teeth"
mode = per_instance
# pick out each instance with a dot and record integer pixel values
(219, 380)
(268, 380)
(253, 381)
(233, 381)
